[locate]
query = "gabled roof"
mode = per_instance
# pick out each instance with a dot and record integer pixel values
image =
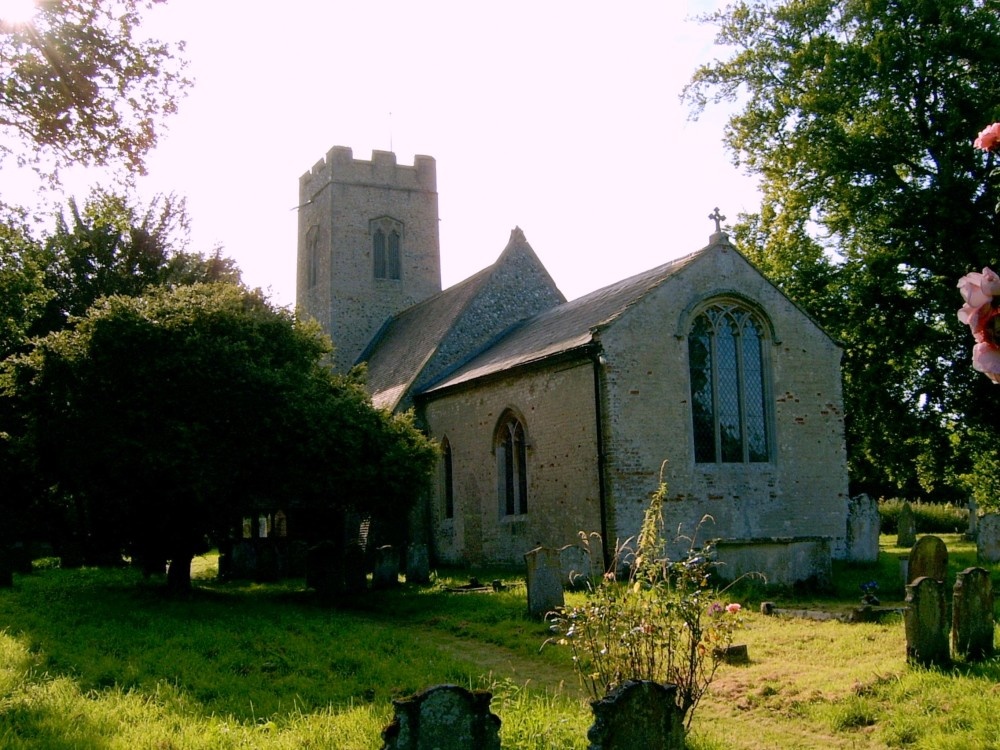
(429, 340)
(565, 328)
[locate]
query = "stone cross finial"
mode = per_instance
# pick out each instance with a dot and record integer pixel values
(718, 219)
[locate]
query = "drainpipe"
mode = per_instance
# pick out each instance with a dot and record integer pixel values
(598, 359)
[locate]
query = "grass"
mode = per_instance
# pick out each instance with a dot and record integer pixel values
(99, 659)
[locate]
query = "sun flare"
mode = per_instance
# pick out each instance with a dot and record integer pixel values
(16, 12)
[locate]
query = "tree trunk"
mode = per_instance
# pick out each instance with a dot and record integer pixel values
(179, 573)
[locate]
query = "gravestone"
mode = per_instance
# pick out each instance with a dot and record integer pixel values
(862, 529)
(386, 574)
(355, 573)
(906, 527)
(445, 717)
(929, 557)
(576, 566)
(324, 571)
(639, 714)
(973, 520)
(988, 538)
(545, 591)
(972, 621)
(418, 564)
(924, 620)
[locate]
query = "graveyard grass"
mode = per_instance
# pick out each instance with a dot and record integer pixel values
(98, 659)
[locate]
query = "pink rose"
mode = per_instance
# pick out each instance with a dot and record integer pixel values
(733, 608)
(988, 137)
(971, 288)
(986, 359)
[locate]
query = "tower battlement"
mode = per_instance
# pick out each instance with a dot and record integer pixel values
(340, 166)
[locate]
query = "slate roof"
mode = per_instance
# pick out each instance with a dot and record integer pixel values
(565, 328)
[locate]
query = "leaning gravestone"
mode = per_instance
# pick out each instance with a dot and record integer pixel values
(445, 717)
(386, 574)
(545, 591)
(639, 714)
(988, 538)
(862, 529)
(972, 622)
(418, 564)
(906, 527)
(929, 557)
(924, 620)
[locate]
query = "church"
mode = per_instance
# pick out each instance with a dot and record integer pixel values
(557, 417)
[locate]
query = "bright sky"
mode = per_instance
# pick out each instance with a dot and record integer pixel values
(562, 118)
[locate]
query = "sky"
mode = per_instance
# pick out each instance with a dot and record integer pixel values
(562, 118)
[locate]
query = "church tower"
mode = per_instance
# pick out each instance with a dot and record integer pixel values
(368, 244)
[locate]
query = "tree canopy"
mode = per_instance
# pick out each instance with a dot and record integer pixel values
(80, 87)
(159, 420)
(858, 116)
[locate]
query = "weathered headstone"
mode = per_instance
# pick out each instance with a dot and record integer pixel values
(988, 538)
(544, 578)
(418, 564)
(973, 520)
(576, 566)
(355, 572)
(924, 620)
(639, 714)
(386, 574)
(906, 527)
(929, 557)
(324, 569)
(863, 528)
(445, 717)
(972, 622)
(243, 563)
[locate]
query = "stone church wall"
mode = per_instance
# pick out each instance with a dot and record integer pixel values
(801, 491)
(557, 408)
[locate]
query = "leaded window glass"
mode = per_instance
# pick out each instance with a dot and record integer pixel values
(512, 463)
(728, 403)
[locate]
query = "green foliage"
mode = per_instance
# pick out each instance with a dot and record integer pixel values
(930, 518)
(663, 623)
(79, 87)
(859, 117)
(158, 420)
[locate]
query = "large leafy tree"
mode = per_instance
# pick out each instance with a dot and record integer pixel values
(158, 420)
(858, 117)
(80, 86)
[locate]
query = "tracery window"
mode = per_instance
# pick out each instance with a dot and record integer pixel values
(729, 409)
(387, 248)
(512, 461)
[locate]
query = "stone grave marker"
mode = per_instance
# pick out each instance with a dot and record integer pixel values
(444, 717)
(906, 527)
(972, 620)
(639, 714)
(355, 570)
(988, 538)
(929, 557)
(386, 574)
(973, 520)
(863, 528)
(576, 566)
(924, 620)
(544, 578)
(418, 564)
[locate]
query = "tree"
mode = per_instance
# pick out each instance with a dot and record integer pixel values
(858, 116)
(159, 419)
(80, 88)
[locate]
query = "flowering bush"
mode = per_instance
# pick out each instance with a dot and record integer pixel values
(980, 312)
(989, 137)
(662, 623)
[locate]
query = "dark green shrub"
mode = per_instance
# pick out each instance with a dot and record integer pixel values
(931, 518)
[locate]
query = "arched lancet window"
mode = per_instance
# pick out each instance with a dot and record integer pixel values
(512, 462)
(392, 260)
(448, 491)
(387, 247)
(378, 252)
(728, 384)
(312, 257)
